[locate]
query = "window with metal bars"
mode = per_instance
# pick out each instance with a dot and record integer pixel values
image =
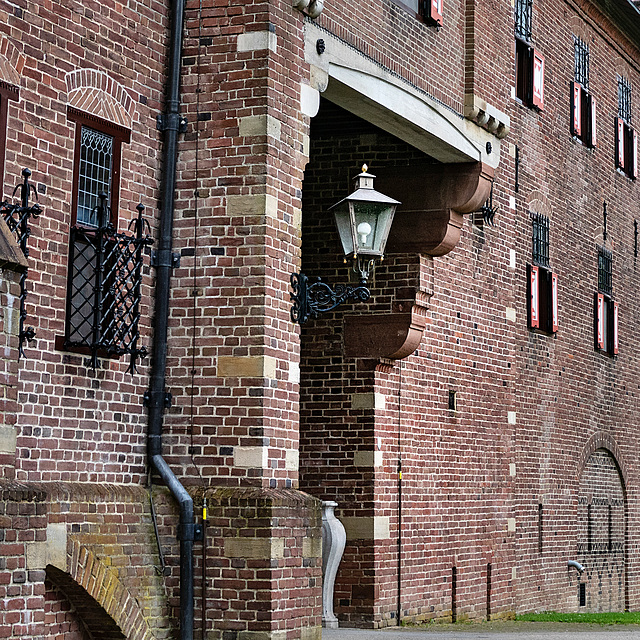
(523, 12)
(105, 265)
(542, 283)
(581, 62)
(583, 104)
(624, 99)
(540, 239)
(529, 70)
(605, 308)
(626, 135)
(605, 270)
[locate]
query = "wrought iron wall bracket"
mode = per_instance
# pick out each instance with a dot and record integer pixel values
(311, 299)
(17, 216)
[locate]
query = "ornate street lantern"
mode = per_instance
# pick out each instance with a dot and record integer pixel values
(363, 220)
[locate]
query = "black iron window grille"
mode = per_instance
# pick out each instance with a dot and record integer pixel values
(104, 287)
(624, 99)
(605, 271)
(17, 216)
(523, 13)
(581, 62)
(540, 239)
(542, 282)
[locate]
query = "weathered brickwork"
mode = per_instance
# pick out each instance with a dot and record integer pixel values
(468, 471)
(527, 404)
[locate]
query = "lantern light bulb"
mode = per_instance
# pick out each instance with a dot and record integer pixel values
(364, 229)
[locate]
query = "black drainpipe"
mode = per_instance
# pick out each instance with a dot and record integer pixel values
(157, 398)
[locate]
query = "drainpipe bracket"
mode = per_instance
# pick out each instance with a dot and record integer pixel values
(171, 121)
(159, 399)
(190, 532)
(165, 258)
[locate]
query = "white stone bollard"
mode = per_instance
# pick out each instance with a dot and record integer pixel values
(334, 539)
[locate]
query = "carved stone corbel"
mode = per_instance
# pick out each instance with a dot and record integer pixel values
(391, 335)
(433, 197)
(429, 221)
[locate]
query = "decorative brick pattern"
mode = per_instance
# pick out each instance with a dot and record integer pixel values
(11, 62)
(96, 93)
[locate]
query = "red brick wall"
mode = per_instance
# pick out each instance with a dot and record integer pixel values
(527, 404)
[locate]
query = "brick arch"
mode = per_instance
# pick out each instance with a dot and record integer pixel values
(622, 67)
(99, 597)
(604, 440)
(97, 93)
(11, 62)
(538, 203)
(578, 28)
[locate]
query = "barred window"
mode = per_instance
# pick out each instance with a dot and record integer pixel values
(605, 308)
(605, 270)
(624, 99)
(529, 69)
(581, 62)
(523, 12)
(540, 239)
(542, 283)
(626, 135)
(105, 266)
(583, 104)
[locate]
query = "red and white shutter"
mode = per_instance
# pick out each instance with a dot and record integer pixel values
(615, 327)
(600, 320)
(634, 168)
(576, 109)
(538, 80)
(534, 298)
(620, 143)
(594, 137)
(435, 11)
(554, 302)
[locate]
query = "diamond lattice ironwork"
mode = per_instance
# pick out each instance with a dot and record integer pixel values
(104, 291)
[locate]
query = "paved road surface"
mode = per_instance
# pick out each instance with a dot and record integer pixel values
(492, 631)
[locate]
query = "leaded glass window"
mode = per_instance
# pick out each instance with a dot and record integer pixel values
(96, 159)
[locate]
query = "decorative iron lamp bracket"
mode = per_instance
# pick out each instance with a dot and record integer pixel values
(363, 220)
(17, 216)
(311, 299)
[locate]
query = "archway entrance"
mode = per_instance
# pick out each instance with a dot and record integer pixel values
(602, 518)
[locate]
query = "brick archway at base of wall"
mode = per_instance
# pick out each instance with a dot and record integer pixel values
(104, 605)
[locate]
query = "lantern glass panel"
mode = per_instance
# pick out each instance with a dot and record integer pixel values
(372, 222)
(343, 223)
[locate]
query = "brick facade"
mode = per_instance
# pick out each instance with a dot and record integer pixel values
(470, 462)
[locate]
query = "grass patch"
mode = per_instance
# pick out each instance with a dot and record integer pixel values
(626, 617)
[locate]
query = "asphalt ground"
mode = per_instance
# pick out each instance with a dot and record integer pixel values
(497, 630)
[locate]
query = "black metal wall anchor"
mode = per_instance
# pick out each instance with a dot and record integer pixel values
(311, 299)
(488, 211)
(104, 290)
(17, 215)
